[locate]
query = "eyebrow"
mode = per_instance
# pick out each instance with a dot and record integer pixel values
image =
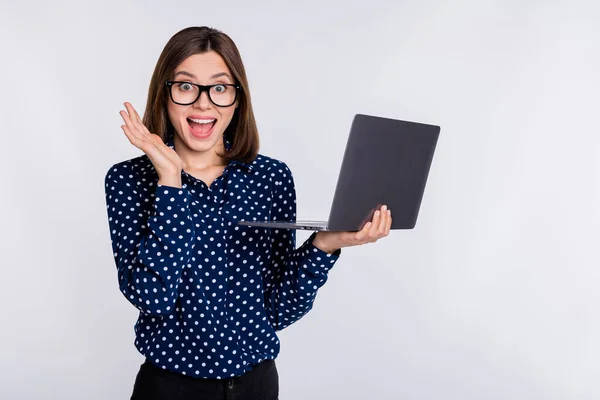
(215, 76)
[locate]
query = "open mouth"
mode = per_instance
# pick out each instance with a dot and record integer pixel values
(201, 127)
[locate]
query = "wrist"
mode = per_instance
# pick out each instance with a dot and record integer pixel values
(321, 242)
(171, 181)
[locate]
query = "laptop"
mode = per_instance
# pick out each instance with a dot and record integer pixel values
(386, 161)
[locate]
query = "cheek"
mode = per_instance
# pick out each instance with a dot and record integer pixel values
(227, 115)
(175, 115)
(171, 113)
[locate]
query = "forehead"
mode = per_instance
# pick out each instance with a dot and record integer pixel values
(204, 65)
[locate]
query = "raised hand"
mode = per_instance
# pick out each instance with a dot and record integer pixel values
(166, 161)
(374, 230)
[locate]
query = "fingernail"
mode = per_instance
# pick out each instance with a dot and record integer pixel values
(377, 213)
(384, 207)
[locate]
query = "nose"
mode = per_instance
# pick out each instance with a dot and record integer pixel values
(203, 101)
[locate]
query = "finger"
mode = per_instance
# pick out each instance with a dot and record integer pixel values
(389, 224)
(138, 139)
(132, 112)
(383, 221)
(130, 123)
(374, 226)
(135, 118)
(133, 135)
(158, 155)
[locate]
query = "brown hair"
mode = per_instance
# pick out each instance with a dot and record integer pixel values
(241, 131)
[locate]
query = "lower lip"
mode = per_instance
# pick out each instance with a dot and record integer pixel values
(204, 135)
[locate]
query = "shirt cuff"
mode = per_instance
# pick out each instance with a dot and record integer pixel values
(170, 200)
(317, 261)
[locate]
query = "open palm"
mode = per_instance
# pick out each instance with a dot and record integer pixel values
(166, 161)
(371, 232)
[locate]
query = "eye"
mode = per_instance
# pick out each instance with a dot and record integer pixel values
(219, 88)
(185, 86)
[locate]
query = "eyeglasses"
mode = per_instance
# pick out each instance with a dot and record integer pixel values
(186, 93)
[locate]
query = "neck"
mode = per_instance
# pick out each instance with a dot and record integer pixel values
(197, 160)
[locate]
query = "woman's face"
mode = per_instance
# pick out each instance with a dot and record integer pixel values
(201, 125)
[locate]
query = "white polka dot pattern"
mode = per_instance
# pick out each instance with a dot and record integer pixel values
(211, 294)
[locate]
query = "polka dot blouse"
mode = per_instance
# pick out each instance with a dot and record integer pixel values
(211, 294)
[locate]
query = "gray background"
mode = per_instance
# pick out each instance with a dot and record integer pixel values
(493, 296)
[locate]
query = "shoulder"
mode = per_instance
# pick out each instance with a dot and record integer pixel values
(274, 174)
(132, 170)
(271, 168)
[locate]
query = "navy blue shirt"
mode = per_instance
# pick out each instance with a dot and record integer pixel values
(211, 293)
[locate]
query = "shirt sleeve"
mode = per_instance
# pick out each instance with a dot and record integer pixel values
(152, 239)
(294, 275)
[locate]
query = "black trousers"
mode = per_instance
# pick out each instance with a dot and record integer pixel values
(154, 383)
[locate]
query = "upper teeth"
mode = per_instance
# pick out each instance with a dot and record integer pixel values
(202, 121)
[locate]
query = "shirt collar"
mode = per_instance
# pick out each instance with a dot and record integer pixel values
(169, 142)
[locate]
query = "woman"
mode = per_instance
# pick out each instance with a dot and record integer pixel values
(211, 294)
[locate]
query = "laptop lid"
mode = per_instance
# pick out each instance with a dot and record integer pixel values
(386, 161)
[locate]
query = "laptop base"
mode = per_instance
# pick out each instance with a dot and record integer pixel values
(303, 225)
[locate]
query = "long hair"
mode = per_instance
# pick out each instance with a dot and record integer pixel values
(241, 131)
